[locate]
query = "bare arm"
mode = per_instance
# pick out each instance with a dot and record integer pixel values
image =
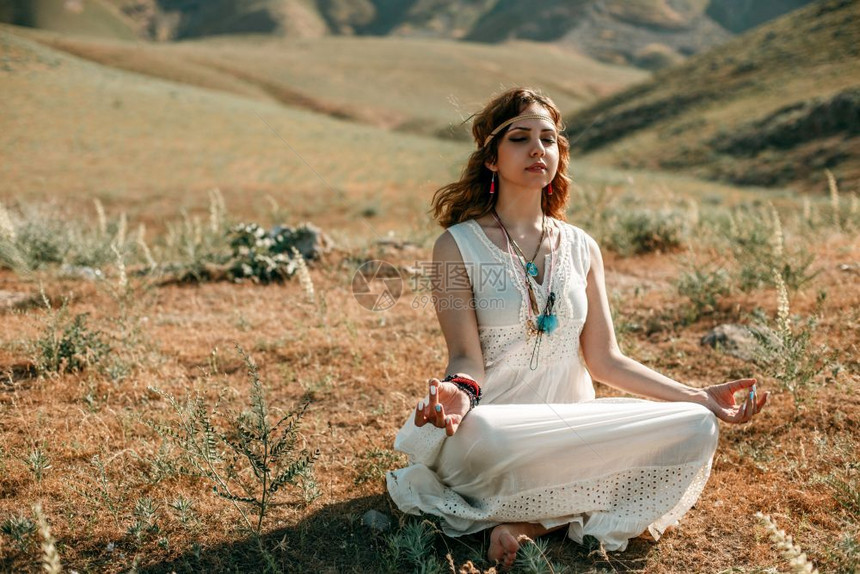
(604, 359)
(446, 404)
(609, 365)
(452, 297)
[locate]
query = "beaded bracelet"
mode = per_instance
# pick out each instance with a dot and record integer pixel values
(468, 386)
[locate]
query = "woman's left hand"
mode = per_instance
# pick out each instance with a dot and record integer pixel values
(721, 401)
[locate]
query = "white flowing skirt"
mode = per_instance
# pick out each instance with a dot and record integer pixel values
(611, 468)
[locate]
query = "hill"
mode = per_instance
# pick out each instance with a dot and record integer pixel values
(775, 106)
(738, 16)
(650, 34)
(150, 146)
(415, 85)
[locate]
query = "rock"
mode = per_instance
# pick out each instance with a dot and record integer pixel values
(14, 299)
(82, 272)
(741, 341)
(307, 238)
(376, 521)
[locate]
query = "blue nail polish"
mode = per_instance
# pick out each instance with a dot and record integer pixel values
(438, 408)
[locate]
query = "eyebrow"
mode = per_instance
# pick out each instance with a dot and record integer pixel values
(529, 129)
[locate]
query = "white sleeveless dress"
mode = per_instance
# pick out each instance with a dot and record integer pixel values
(540, 448)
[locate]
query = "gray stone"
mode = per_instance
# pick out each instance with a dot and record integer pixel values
(741, 341)
(376, 521)
(307, 238)
(15, 299)
(82, 272)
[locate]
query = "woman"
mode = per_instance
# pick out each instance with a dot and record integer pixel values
(521, 301)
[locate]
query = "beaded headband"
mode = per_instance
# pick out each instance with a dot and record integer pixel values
(505, 124)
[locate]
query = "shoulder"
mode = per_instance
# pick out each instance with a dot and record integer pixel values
(582, 243)
(576, 234)
(446, 247)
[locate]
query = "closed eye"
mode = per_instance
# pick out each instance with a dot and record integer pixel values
(547, 140)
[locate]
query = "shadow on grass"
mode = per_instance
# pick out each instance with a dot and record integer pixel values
(334, 540)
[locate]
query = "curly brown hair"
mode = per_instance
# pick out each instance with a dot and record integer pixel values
(468, 197)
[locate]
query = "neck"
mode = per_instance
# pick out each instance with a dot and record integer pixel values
(521, 212)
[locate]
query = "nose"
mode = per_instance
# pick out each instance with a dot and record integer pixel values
(538, 149)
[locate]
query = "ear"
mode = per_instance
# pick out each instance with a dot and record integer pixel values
(490, 166)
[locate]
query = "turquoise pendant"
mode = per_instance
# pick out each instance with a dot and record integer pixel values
(531, 269)
(547, 323)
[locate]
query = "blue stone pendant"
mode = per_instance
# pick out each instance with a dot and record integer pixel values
(531, 269)
(547, 323)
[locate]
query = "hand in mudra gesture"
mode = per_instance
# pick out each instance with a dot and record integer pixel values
(721, 401)
(444, 406)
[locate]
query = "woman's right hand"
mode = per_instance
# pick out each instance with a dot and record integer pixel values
(444, 406)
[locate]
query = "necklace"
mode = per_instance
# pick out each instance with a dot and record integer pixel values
(545, 322)
(533, 304)
(531, 268)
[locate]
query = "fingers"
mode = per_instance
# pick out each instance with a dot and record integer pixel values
(434, 395)
(435, 413)
(430, 409)
(751, 406)
(420, 416)
(748, 409)
(737, 386)
(761, 402)
(740, 384)
(452, 422)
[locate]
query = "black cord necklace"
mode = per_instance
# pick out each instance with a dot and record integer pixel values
(547, 321)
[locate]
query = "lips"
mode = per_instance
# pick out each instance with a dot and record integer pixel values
(536, 167)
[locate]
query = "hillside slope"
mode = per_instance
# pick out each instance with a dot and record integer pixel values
(413, 85)
(651, 34)
(81, 130)
(774, 107)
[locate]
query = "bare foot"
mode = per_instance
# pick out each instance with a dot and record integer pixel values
(646, 535)
(504, 543)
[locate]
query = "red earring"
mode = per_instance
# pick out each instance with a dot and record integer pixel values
(549, 189)
(493, 183)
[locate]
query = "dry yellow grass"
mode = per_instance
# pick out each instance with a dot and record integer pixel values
(363, 370)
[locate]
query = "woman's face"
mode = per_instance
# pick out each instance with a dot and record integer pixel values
(528, 152)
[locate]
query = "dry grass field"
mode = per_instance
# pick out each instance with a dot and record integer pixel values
(109, 384)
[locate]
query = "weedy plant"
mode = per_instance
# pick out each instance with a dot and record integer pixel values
(20, 530)
(50, 556)
(101, 492)
(372, 464)
(638, 231)
(145, 524)
(786, 351)
(194, 247)
(757, 241)
(246, 457)
(67, 345)
(704, 287)
(621, 224)
(846, 491)
(411, 549)
(785, 545)
(532, 558)
(132, 295)
(38, 462)
(40, 236)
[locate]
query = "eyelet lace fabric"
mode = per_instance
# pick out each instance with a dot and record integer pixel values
(540, 448)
